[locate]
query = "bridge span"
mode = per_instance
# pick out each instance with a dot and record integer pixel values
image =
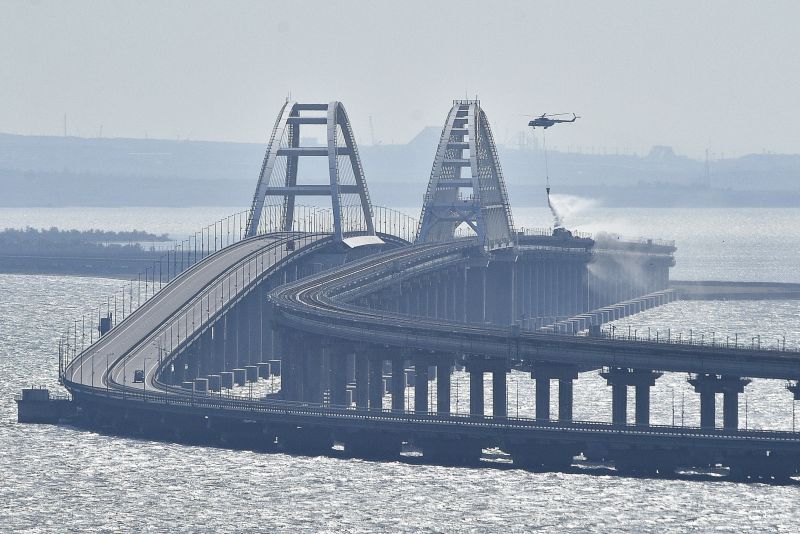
(353, 318)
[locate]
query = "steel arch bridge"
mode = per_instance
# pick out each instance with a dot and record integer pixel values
(485, 208)
(278, 180)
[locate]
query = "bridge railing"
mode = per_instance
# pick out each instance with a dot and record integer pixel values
(746, 341)
(320, 220)
(243, 402)
(82, 332)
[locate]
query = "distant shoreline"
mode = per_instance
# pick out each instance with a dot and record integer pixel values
(125, 266)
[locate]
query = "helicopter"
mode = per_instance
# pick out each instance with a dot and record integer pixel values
(546, 121)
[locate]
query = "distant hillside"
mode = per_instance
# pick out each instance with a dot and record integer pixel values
(57, 171)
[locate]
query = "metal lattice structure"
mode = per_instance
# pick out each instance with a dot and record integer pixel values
(485, 209)
(278, 185)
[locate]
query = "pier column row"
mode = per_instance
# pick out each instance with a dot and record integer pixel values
(499, 369)
(708, 385)
(619, 378)
(543, 373)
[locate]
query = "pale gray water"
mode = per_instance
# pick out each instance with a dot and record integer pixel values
(59, 479)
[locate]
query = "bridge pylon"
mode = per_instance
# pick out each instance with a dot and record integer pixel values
(278, 186)
(466, 184)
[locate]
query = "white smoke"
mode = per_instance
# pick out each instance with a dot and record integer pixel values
(565, 206)
(558, 222)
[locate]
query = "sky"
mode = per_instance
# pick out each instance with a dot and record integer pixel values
(716, 75)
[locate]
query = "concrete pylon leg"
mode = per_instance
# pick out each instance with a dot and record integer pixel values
(398, 384)
(707, 409)
(338, 378)
(362, 381)
(421, 386)
(499, 393)
(218, 347)
(376, 383)
(619, 404)
(443, 387)
(642, 405)
(565, 399)
(476, 392)
(730, 410)
(312, 377)
(543, 399)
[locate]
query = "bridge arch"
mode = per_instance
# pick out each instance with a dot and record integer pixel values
(278, 187)
(485, 209)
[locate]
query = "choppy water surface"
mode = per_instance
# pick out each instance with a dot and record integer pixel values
(58, 479)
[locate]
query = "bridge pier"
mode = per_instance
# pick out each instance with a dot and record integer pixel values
(708, 385)
(476, 405)
(499, 296)
(476, 369)
(232, 319)
(543, 373)
(204, 352)
(218, 346)
(398, 381)
(312, 371)
(500, 392)
(244, 316)
(375, 382)
(337, 371)
(475, 293)
(421, 384)
(619, 378)
(362, 379)
(443, 369)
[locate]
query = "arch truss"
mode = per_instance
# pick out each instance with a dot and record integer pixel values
(278, 187)
(466, 186)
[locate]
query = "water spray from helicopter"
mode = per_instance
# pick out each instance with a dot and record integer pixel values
(545, 121)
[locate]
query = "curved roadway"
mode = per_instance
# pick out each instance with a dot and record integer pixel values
(182, 309)
(322, 304)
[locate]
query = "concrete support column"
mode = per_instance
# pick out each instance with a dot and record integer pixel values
(218, 347)
(243, 333)
(293, 349)
(707, 385)
(460, 291)
(231, 335)
(619, 378)
(643, 405)
(398, 383)
(619, 403)
(204, 343)
(443, 369)
(312, 373)
(499, 392)
(476, 391)
(362, 380)
(375, 382)
(708, 411)
(337, 362)
(475, 300)
(730, 410)
(421, 385)
(565, 399)
(543, 398)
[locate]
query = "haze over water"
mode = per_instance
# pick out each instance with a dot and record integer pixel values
(56, 478)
